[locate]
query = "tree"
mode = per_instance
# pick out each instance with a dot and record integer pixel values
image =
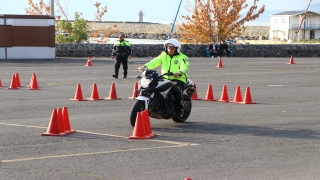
(77, 31)
(95, 33)
(38, 9)
(216, 19)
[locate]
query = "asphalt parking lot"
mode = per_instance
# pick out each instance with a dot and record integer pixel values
(276, 138)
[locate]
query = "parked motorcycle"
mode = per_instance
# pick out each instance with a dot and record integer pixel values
(156, 96)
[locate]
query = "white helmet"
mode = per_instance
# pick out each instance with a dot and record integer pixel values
(173, 42)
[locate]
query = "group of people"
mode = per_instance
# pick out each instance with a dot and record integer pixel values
(171, 60)
(217, 50)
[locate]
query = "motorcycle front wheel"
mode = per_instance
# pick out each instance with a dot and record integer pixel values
(137, 107)
(187, 110)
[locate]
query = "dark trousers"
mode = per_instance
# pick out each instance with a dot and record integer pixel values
(177, 91)
(121, 60)
(214, 53)
(224, 51)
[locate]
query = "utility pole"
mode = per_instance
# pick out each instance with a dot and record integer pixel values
(302, 21)
(52, 7)
(174, 20)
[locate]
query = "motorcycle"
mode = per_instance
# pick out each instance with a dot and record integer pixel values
(156, 97)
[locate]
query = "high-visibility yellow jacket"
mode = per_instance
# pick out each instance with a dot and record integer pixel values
(122, 48)
(176, 63)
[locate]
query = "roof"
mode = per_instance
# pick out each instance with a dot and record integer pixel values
(292, 13)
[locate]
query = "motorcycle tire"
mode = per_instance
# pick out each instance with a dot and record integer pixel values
(187, 110)
(137, 107)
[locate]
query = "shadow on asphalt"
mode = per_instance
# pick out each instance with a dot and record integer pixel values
(234, 129)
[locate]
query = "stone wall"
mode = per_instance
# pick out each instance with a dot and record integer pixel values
(192, 50)
(155, 28)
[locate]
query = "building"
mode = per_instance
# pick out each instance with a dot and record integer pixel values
(27, 36)
(285, 25)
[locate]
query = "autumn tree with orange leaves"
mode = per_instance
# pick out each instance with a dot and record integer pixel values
(40, 8)
(216, 19)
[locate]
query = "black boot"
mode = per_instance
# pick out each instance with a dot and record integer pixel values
(115, 75)
(125, 72)
(179, 111)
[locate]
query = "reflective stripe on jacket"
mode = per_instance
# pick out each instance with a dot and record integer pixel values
(178, 63)
(122, 48)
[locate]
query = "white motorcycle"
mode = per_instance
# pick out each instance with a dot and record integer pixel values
(156, 97)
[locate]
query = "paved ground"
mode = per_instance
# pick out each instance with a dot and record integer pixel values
(277, 138)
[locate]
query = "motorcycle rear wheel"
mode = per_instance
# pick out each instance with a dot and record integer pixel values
(137, 107)
(187, 110)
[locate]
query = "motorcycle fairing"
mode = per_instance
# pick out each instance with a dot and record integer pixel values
(161, 86)
(145, 99)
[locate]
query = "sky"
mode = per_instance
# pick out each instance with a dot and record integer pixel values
(156, 11)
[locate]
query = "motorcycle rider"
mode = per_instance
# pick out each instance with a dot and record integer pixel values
(172, 60)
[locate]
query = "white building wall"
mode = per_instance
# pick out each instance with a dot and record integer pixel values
(31, 52)
(317, 35)
(2, 53)
(279, 27)
(285, 26)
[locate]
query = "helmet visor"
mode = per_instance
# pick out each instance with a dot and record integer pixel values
(170, 45)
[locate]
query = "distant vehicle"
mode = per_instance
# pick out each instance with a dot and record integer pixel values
(240, 40)
(65, 34)
(229, 41)
(62, 33)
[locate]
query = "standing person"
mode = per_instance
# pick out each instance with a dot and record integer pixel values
(224, 47)
(213, 49)
(172, 60)
(122, 51)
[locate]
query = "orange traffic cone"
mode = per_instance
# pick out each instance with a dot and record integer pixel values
(78, 96)
(13, 84)
(220, 63)
(94, 94)
(139, 129)
(209, 96)
(113, 93)
(237, 96)
(18, 80)
(195, 93)
(34, 82)
(291, 60)
(66, 121)
(135, 92)
(31, 81)
(247, 97)
(0, 83)
(146, 117)
(53, 128)
(224, 95)
(89, 62)
(60, 119)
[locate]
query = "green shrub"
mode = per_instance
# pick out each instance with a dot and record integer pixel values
(77, 32)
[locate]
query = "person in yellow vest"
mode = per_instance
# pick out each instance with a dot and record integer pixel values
(122, 51)
(174, 61)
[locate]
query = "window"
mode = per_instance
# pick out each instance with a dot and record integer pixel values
(283, 20)
(275, 20)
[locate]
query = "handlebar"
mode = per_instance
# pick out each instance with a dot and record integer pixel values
(160, 76)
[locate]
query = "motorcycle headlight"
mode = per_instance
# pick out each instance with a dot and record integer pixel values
(144, 82)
